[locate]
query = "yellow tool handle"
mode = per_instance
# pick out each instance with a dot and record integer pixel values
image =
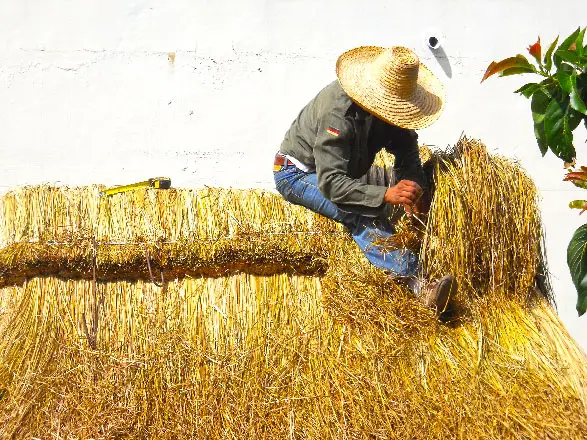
(160, 182)
(155, 182)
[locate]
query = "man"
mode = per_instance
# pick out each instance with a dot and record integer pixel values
(381, 96)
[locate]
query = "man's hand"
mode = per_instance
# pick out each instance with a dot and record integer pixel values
(405, 193)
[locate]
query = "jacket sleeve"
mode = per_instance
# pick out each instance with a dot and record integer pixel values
(332, 154)
(407, 165)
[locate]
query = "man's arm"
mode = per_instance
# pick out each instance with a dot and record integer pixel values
(408, 166)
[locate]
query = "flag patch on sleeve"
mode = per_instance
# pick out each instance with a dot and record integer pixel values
(333, 131)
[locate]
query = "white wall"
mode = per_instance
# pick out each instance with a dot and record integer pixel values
(87, 94)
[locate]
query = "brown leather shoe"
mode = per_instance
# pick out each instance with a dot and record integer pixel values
(437, 293)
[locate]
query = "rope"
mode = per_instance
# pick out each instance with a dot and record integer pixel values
(147, 255)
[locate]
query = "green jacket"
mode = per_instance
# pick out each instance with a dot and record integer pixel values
(335, 137)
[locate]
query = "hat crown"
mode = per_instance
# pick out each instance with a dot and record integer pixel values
(391, 84)
(398, 69)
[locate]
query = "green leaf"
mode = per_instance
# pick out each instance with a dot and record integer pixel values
(577, 261)
(564, 79)
(565, 46)
(553, 120)
(517, 71)
(569, 56)
(569, 40)
(579, 42)
(548, 55)
(540, 101)
(579, 184)
(528, 90)
(575, 97)
(559, 136)
(582, 86)
(567, 134)
(575, 118)
(577, 204)
(541, 138)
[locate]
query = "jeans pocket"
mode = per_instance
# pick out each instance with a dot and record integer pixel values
(282, 184)
(288, 184)
(283, 187)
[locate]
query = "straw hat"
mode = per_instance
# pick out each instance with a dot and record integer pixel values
(391, 84)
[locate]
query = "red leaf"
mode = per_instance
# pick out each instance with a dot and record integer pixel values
(576, 175)
(573, 46)
(536, 50)
(508, 63)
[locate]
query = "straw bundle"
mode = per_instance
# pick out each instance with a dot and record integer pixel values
(338, 352)
(139, 235)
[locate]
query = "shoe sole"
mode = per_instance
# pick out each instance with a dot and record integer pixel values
(447, 287)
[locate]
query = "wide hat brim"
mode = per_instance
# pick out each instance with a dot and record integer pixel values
(361, 79)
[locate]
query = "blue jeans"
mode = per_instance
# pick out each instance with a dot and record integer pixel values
(301, 188)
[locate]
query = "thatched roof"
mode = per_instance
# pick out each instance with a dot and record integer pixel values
(232, 314)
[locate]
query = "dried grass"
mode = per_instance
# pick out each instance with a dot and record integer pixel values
(345, 354)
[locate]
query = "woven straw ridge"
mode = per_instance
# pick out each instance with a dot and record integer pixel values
(391, 84)
(347, 354)
(400, 68)
(173, 235)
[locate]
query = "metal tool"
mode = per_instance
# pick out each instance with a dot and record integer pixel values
(155, 182)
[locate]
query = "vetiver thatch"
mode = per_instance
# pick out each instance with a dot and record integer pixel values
(258, 319)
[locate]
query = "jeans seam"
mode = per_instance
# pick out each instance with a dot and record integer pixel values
(310, 184)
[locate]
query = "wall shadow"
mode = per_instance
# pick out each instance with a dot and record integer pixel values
(443, 60)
